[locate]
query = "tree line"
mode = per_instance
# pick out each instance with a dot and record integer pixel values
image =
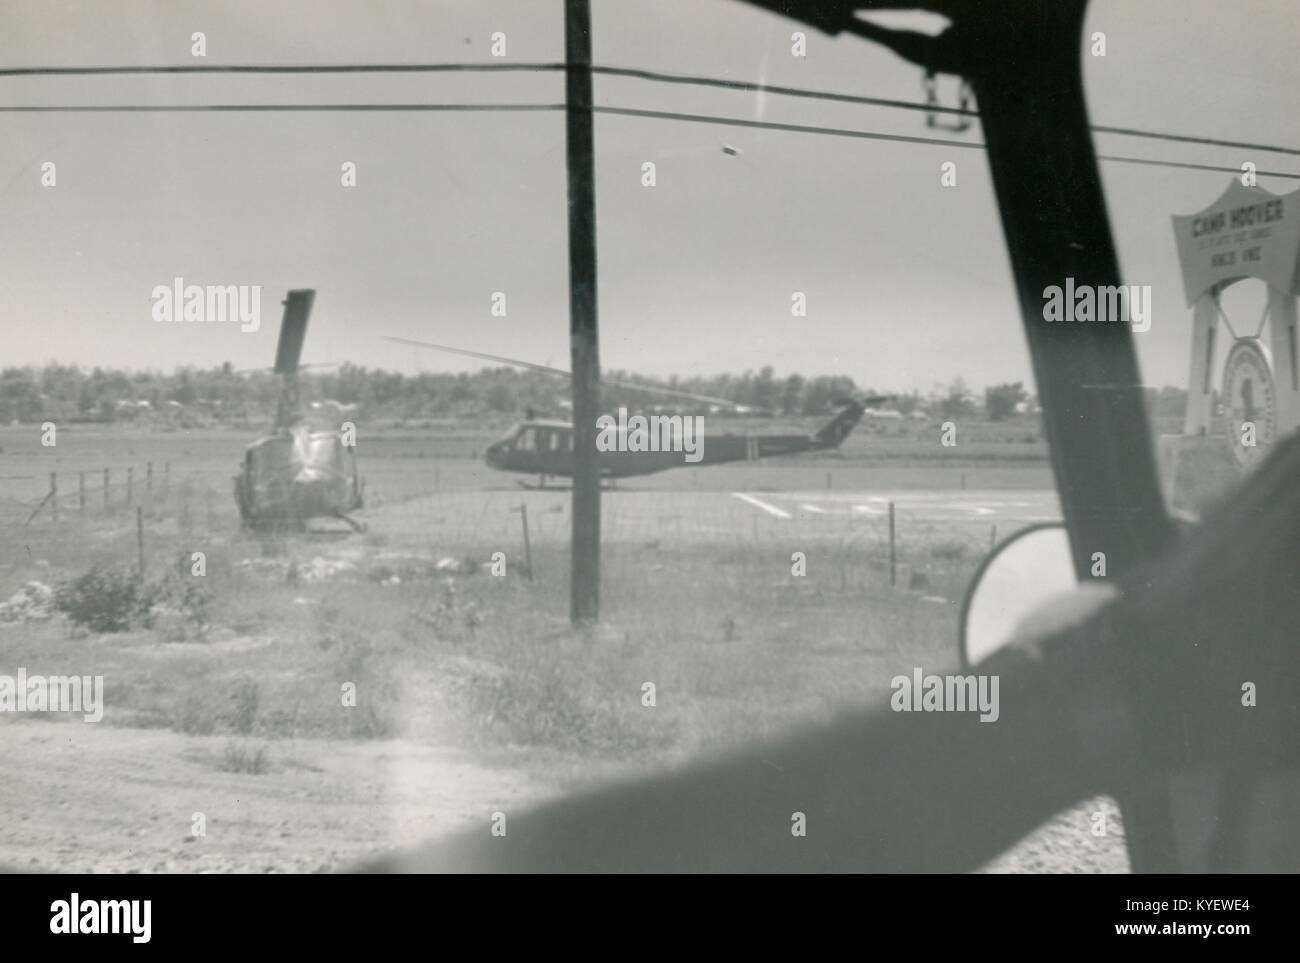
(222, 395)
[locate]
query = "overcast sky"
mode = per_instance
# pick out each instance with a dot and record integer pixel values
(907, 283)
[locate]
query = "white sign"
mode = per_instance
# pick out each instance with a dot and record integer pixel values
(1247, 233)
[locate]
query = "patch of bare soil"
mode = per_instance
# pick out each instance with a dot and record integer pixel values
(87, 798)
(1087, 839)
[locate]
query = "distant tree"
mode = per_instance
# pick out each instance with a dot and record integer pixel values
(953, 401)
(184, 392)
(1167, 402)
(766, 391)
(20, 395)
(907, 403)
(501, 397)
(1000, 401)
(792, 394)
(823, 393)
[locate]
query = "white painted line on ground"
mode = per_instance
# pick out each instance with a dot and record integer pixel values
(814, 509)
(868, 510)
(770, 509)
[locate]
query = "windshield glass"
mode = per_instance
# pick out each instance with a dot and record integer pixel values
(818, 413)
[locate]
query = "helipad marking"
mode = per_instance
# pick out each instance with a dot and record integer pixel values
(770, 509)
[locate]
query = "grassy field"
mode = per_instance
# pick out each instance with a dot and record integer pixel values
(735, 644)
(496, 655)
(249, 664)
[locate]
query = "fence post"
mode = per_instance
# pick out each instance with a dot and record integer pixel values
(139, 538)
(528, 549)
(891, 544)
(54, 496)
(148, 476)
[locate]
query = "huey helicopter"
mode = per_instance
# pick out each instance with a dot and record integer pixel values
(544, 447)
(296, 474)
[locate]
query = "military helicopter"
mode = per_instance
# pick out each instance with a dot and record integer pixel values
(646, 444)
(296, 474)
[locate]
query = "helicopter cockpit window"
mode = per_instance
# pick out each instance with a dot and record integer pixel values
(526, 440)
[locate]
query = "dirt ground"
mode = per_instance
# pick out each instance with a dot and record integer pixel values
(82, 798)
(111, 800)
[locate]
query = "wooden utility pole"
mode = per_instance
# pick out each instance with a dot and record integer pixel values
(584, 605)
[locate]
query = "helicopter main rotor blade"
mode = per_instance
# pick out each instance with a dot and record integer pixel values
(628, 385)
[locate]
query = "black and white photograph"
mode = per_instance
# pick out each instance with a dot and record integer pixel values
(631, 437)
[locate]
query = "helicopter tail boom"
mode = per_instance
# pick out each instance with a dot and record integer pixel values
(834, 432)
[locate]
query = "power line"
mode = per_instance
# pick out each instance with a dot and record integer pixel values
(792, 128)
(656, 76)
(278, 69)
(1190, 167)
(615, 111)
(728, 84)
(235, 108)
(904, 138)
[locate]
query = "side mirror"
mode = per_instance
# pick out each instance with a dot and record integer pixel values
(1013, 582)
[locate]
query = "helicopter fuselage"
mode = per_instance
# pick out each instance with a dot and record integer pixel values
(545, 447)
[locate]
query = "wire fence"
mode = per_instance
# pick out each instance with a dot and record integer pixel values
(441, 513)
(107, 493)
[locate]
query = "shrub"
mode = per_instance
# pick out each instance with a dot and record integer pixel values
(108, 599)
(247, 759)
(114, 599)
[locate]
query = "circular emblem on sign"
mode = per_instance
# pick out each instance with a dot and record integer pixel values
(1249, 401)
